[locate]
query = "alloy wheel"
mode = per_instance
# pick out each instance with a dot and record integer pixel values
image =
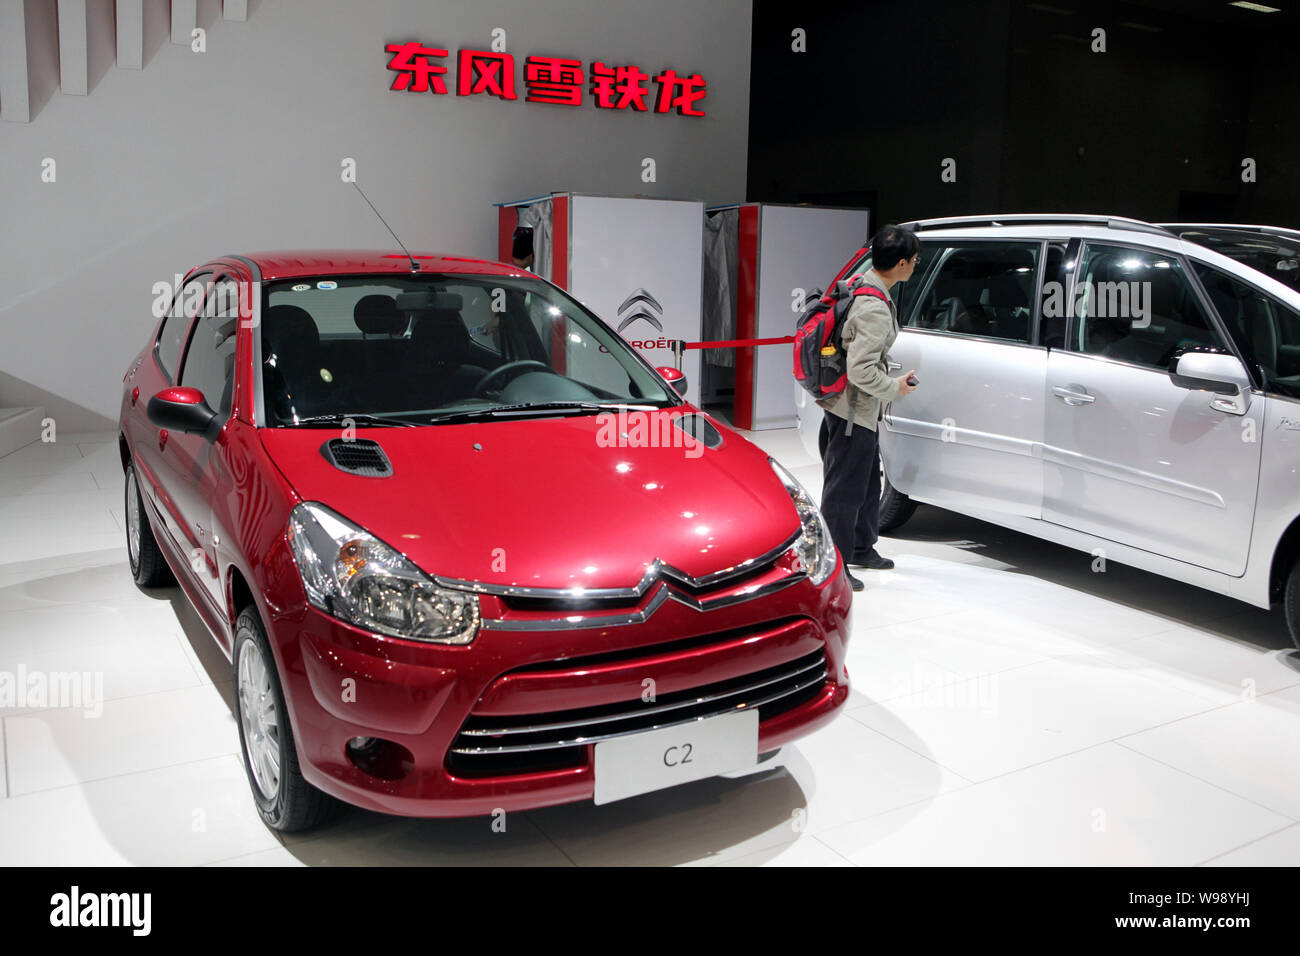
(260, 719)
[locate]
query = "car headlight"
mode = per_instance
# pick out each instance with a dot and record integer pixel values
(350, 574)
(815, 549)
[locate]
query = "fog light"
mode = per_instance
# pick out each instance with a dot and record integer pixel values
(380, 758)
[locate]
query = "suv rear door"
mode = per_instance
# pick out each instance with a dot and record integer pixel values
(1129, 456)
(968, 437)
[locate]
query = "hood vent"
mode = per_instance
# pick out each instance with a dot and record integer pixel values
(699, 428)
(359, 456)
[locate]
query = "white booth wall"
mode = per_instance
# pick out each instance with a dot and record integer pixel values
(240, 148)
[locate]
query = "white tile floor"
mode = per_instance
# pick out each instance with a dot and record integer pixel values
(1009, 707)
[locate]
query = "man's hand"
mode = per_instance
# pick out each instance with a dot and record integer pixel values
(903, 387)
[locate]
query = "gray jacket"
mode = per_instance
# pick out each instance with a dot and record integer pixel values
(870, 329)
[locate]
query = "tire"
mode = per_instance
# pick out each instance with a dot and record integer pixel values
(148, 566)
(284, 799)
(895, 507)
(1291, 601)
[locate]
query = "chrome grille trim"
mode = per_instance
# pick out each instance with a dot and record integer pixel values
(582, 620)
(579, 741)
(644, 709)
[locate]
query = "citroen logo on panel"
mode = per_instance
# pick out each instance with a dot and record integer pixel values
(640, 305)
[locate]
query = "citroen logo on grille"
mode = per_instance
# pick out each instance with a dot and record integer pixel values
(640, 305)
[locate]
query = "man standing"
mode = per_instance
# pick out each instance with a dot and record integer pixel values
(850, 455)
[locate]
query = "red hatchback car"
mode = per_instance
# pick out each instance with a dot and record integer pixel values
(466, 550)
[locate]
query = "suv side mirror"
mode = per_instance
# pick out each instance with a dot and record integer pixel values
(1215, 372)
(674, 377)
(182, 409)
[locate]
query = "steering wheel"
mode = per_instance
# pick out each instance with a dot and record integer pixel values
(508, 367)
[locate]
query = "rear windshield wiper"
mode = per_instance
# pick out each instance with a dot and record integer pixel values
(356, 418)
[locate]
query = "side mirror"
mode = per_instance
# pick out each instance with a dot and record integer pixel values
(1215, 372)
(674, 377)
(182, 409)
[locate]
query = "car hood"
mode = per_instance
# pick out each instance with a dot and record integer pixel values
(551, 502)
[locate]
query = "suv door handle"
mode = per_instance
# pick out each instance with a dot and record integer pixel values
(1073, 394)
(892, 366)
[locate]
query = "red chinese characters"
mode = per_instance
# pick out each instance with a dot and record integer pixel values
(415, 68)
(548, 79)
(553, 80)
(619, 88)
(680, 92)
(483, 72)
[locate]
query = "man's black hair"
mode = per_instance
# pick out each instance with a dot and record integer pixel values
(891, 245)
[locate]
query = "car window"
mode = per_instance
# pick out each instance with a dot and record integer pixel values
(903, 293)
(210, 357)
(1268, 331)
(1136, 305)
(980, 288)
(171, 336)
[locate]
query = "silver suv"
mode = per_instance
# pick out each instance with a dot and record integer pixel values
(1108, 384)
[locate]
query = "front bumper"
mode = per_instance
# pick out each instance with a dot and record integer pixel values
(423, 701)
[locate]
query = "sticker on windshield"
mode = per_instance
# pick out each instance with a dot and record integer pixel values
(302, 287)
(327, 284)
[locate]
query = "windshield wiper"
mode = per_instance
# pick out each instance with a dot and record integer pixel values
(527, 408)
(356, 418)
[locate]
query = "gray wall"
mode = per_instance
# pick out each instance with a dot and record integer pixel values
(239, 149)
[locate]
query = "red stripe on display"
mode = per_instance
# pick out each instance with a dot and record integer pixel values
(746, 315)
(507, 217)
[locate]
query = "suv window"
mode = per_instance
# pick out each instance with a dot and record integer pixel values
(981, 288)
(1137, 306)
(903, 293)
(171, 336)
(210, 358)
(1268, 331)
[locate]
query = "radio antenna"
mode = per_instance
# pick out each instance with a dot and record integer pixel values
(415, 266)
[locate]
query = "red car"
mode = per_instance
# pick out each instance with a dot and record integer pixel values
(466, 550)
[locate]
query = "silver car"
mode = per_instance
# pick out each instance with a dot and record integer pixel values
(1117, 386)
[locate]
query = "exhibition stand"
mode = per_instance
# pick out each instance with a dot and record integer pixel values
(635, 262)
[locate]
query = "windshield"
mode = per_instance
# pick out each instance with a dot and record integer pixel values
(1276, 256)
(424, 348)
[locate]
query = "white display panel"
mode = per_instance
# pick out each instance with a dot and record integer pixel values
(638, 264)
(799, 247)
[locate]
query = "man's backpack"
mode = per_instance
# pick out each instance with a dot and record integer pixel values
(820, 365)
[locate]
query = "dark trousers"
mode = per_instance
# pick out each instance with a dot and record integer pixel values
(850, 487)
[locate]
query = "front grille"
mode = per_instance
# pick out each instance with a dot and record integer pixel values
(528, 743)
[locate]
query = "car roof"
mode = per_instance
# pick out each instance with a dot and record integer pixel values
(295, 263)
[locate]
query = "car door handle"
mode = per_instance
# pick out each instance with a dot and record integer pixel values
(162, 439)
(1073, 394)
(892, 366)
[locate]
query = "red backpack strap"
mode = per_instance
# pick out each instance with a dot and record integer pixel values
(872, 290)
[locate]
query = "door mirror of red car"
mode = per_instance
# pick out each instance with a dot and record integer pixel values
(674, 377)
(182, 409)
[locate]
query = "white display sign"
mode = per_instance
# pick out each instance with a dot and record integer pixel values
(800, 247)
(638, 264)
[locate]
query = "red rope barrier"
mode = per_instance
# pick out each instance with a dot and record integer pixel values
(738, 343)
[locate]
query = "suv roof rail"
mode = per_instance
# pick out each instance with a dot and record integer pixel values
(1236, 226)
(1015, 219)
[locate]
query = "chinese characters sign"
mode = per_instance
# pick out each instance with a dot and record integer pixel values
(546, 79)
